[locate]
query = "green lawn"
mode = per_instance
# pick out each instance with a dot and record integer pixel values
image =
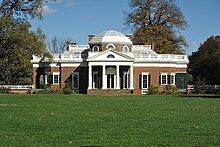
(85, 120)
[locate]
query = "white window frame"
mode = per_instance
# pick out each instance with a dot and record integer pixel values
(161, 78)
(46, 78)
(75, 73)
(125, 47)
(93, 49)
(142, 78)
(56, 74)
(110, 45)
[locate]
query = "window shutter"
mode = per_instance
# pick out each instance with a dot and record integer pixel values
(149, 80)
(140, 82)
(159, 79)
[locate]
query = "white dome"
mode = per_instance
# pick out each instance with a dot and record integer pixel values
(110, 36)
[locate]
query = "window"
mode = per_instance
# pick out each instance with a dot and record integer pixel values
(75, 80)
(110, 46)
(95, 49)
(145, 80)
(56, 78)
(47, 78)
(125, 80)
(110, 81)
(163, 79)
(171, 79)
(110, 56)
(95, 80)
(125, 49)
(166, 78)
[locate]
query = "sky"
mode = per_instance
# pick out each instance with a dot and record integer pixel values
(75, 19)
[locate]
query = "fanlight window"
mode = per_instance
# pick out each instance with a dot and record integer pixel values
(125, 49)
(110, 56)
(95, 49)
(110, 46)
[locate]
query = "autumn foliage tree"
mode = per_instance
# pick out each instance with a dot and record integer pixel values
(158, 21)
(205, 63)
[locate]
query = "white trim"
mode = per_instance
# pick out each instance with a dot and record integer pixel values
(56, 74)
(90, 77)
(124, 49)
(160, 65)
(107, 47)
(36, 65)
(93, 49)
(161, 78)
(144, 91)
(142, 83)
(131, 77)
(47, 74)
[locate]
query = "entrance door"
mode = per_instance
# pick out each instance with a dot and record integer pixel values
(110, 81)
(95, 80)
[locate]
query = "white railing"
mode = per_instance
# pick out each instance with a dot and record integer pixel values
(17, 87)
(78, 46)
(164, 57)
(141, 47)
(70, 56)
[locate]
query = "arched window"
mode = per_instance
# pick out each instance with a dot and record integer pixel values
(110, 56)
(95, 49)
(125, 49)
(110, 46)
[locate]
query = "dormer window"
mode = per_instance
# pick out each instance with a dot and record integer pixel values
(110, 46)
(125, 49)
(110, 56)
(95, 49)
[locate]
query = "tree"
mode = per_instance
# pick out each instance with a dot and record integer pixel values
(157, 21)
(21, 9)
(204, 64)
(57, 45)
(17, 42)
(16, 51)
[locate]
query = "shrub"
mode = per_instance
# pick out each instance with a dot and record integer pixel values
(169, 89)
(152, 90)
(4, 90)
(67, 90)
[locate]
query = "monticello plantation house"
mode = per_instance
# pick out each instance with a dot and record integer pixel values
(110, 63)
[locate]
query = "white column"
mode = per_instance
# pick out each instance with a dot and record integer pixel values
(104, 84)
(131, 77)
(117, 77)
(90, 77)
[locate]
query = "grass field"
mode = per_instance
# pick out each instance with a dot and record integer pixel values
(89, 121)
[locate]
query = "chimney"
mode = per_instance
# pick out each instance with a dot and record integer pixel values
(90, 37)
(152, 45)
(129, 36)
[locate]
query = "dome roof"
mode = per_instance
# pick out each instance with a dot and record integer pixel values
(110, 36)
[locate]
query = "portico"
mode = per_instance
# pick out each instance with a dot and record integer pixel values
(110, 75)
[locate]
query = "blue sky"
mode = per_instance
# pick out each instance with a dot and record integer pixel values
(76, 19)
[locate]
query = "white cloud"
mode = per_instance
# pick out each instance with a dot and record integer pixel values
(70, 3)
(47, 10)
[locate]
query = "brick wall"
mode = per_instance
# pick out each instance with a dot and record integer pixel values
(154, 73)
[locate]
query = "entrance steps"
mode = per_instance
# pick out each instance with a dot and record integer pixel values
(110, 91)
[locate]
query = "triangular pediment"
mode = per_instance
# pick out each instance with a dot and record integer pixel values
(110, 55)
